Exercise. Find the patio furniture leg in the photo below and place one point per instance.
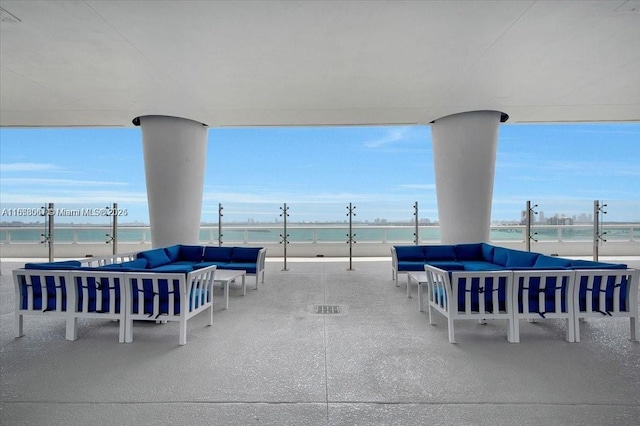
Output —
(515, 331)
(71, 331)
(19, 325)
(183, 330)
(452, 337)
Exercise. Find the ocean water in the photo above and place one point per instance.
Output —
(318, 233)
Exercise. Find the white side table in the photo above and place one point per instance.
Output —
(420, 277)
(226, 276)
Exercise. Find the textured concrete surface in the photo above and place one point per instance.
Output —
(270, 360)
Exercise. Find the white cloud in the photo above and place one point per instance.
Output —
(27, 167)
(393, 135)
(420, 186)
(60, 182)
(75, 197)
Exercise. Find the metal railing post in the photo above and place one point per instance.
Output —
(598, 234)
(529, 212)
(350, 235)
(284, 235)
(48, 236)
(113, 237)
(220, 224)
(416, 233)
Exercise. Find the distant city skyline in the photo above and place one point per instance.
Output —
(382, 170)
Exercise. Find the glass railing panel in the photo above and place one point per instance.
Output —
(134, 235)
(24, 235)
(263, 235)
(429, 234)
(506, 233)
(331, 234)
(233, 236)
(617, 233)
(301, 235)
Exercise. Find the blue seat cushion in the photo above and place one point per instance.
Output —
(201, 265)
(479, 265)
(410, 265)
(191, 253)
(447, 265)
(441, 252)
(155, 257)
(217, 254)
(250, 267)
(173, 268)
(410, 253)
(184, 263)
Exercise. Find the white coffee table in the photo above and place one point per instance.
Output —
(226, 276)
(420, 277)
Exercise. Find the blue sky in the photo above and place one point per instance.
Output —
(319, 171)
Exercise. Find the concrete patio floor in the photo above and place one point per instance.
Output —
(271, 360)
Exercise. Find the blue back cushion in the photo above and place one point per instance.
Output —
(594, 293)
(156, 257)
(217, 254)
(133, 264)
(443, 252)
(468, 251)
(98, 289)
(173, 252)
(245, 254)
(588, 264)
(483, 291)
(487, 252)
(62, 265)
(551, 262)
(144, 288)
(521, 258)
(410, 253)
(191, 253)
(548, 287)
(36, 287)
(500, 256)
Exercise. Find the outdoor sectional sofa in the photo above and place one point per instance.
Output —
(481, 281)
(165, 284)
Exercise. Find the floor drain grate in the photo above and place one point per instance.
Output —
(327, 309)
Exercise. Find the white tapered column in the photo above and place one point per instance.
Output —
(175, 152)
(464, 152)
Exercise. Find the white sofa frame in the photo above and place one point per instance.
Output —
(196, 295)
(552, 279)
(262, 254)
(630, 310)
(197, 284)
(443, 297)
